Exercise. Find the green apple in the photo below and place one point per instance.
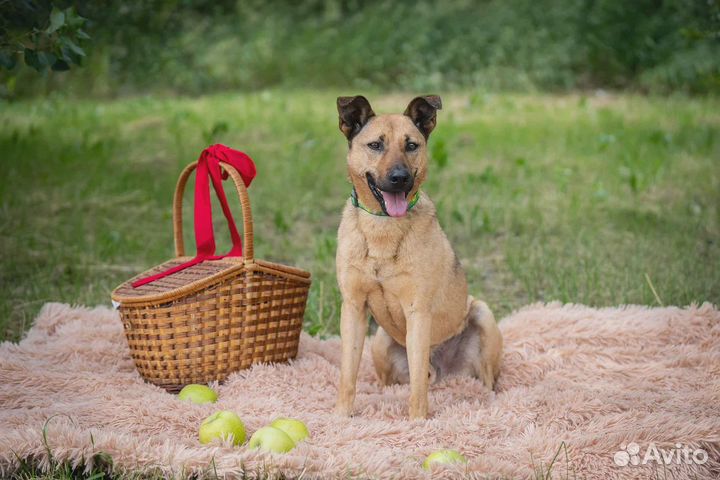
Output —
(198, 394)
(271, 439)
(222, 424)
(443, 457)
(295, 429)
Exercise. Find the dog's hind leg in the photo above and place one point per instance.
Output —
(390, 360)
(380, 347)
(476, 351)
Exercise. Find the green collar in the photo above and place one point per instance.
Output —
(356, 203)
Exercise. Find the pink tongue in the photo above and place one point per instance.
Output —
(395, 203)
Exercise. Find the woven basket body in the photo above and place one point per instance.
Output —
(216, 317)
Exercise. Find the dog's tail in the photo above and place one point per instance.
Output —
(491, 339)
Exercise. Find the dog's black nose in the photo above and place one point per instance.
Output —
(399, 178)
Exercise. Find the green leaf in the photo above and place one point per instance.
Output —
(72, 46)
(32, 59)
(57, 20)
(8, 60)
(47, 58)
(82, 35)
(73, 19)
(60, 66)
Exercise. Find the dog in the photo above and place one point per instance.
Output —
(395, 262)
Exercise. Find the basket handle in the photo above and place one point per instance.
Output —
(214, 165)
(248, 248)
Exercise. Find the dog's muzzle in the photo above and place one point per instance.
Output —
(397, 180)
(391, 193)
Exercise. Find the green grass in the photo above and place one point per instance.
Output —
(572, 198)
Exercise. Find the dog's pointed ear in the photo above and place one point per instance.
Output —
(354, 113)
(423, 112)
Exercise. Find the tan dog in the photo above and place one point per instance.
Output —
(394, 260)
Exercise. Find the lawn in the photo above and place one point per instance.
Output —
(598, 199)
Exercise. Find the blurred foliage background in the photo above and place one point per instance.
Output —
(576, 158)
(198, 46)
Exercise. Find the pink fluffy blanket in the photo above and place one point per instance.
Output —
(629, 392)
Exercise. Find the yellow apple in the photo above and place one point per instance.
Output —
(271, 439)
(223, 424)
(198, 394)
(443, 457)
(295, 429)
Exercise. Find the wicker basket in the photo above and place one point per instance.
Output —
(216, 317)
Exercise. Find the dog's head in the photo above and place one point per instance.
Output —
(388, 159)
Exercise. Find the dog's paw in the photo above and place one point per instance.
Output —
(342, 410)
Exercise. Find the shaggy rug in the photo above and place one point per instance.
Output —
(630, 392)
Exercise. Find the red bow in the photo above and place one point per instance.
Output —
(208, 165)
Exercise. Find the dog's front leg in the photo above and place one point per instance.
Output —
(353, 328)
(417, 343)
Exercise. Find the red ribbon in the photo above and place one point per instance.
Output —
(208, 165)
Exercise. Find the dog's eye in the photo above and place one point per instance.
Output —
(375, 146)
(411, 146)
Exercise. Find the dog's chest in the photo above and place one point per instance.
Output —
(387, 311)
(384, 265)
(386, 286)
(376, 255)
